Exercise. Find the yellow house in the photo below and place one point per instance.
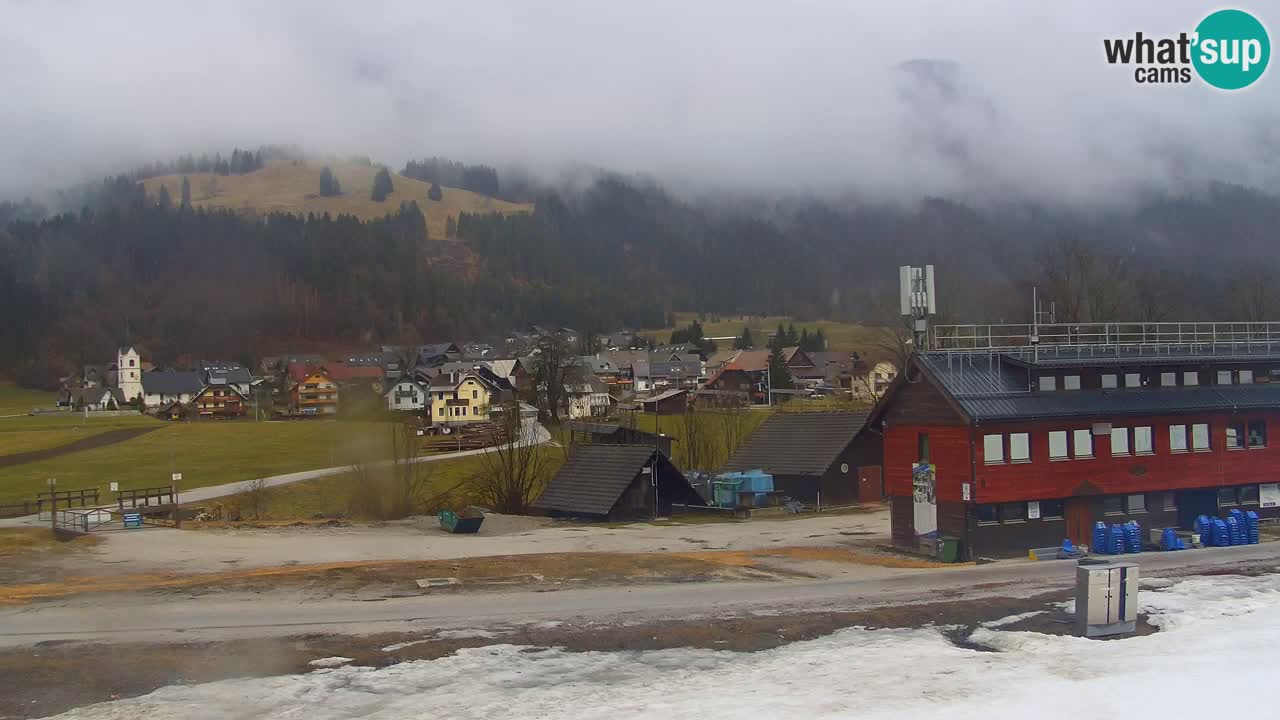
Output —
(458, 398)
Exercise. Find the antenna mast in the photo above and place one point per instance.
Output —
(918, 301)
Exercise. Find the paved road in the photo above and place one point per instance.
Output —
(173, 619)
(532, 432)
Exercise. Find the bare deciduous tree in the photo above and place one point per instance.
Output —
(514, 469)
(255, 495)
(553, 357)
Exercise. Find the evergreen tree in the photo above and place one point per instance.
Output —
(744, 341)
(779, 339)
(805, 341)
(450, 227)
(163, 201)
(819, 341)
(381, 185)
(779, 375)
(792, 338)
(329, 186)
(435, 193)
(186, 192)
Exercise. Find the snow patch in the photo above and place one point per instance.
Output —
(467, 633)
(1011, 619)
(330, 662)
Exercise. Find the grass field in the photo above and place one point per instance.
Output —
(15, 400)
(840, 336)
(294, 188)
(37, 432)
(710, 425)
(209, 453)
(333, 496)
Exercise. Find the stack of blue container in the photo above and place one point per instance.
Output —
(1169, 540)
(1099, 543)
(1251, 527)
(1204, 528)
(1132, 537)
(1115, 540)
(1221, 534)
(1235, 531)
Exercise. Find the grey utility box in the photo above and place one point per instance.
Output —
(1106, 599)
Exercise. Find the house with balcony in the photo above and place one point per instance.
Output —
(219, 400)
(466, 396)
(312, 392)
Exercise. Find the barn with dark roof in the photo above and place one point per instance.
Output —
(616, 482)
(819, 458)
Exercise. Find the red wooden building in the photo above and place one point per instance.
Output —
(1013, 448)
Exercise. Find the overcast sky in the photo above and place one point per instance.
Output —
(1009, 96)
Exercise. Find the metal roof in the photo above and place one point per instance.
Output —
(802, 443)
(594, 477)
(171, 382)
(997, 387)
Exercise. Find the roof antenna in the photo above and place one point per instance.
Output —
(918, 301)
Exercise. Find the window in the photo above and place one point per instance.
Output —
(1071, 382)
(1226, 496)
(475, 394)
(1168, 379)
(1013, 512)
(455, 394)
(1113, 505)
(1020, 447)
(1224, 377)
(1058, 445)
(464, 411)
(440, 396)
(132, 362)
(1248, 494)
(1246, 377)
(1109, 381)
(1200, 436)
(1132, 380)
(1119, 441)
(993, 449)
(922, 446)
(1235, 436)
(1166, 501)
(1177, 438)
(1083, 443)
(1191, 377)
(1142, 441)
(441, 413)
(1257, 433)
(1048, 383)
(1135, 503)
(986, 513)
(1051, 509)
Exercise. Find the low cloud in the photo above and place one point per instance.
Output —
(990, 99)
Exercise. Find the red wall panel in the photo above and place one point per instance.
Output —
(948, 450)
(1104, 474)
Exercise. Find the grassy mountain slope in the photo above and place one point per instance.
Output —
(295, 188)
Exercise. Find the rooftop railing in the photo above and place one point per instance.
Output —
(1112, 339)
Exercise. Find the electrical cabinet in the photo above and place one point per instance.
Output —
(1106, 599)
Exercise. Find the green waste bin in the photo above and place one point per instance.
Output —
(948, 549)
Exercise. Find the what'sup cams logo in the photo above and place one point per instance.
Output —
(1228, 50)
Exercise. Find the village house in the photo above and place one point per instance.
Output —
(220, 400)
(311, 391)
(90, 398)
(229, 374)
(657, 373)
(1010, 448)
(407, 393)
(462, 397)
(585, 395)
(160, 387)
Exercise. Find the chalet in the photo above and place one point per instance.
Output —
(585, 395)
(745, 371)
(359, 376)
(220, 400)
(229, 374)
(666, 372)
(164, 386)
(819, 458)
(311, 391)
(407, 394)
(458, 398)
(1008, 447)
(616, 482)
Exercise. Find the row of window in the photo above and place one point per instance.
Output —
(1016, 447)
(1134, 380)
(1053, 509)
(475, 394)
(455, 411)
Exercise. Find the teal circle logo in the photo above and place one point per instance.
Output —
(1231, 49)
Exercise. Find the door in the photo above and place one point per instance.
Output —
(1079, 517)
(870, 484)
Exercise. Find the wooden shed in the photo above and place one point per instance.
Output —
(616, 482)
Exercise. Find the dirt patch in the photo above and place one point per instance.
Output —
(110, 437)
(752, 558)
(398, 578)
(38, 677)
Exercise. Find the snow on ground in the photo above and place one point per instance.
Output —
(1217, 632)
(1012, 619)
(330, 662)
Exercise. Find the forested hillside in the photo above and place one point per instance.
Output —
(187, 281)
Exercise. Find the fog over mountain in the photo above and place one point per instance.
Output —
(1000, 98)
